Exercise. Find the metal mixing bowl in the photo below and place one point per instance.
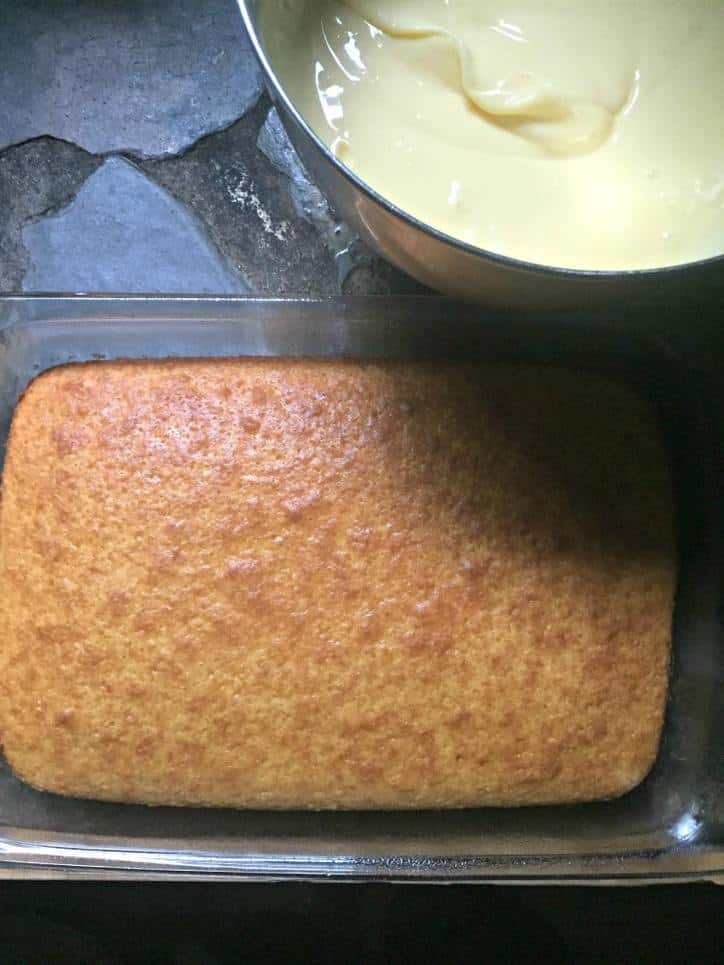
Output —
(450, 265)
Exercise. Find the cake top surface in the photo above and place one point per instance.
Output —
(312, 584)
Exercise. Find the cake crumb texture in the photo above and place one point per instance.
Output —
(315, 584)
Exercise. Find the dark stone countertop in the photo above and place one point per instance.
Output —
(138, 153)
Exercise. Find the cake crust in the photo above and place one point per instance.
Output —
(314, 584)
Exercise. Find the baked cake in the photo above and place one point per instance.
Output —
(332, 584)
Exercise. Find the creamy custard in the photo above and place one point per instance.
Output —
(577, 133)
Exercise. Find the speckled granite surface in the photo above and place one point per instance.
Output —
(139, 153)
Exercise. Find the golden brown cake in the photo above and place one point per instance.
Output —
(287, 584)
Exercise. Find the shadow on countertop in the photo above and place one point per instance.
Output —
(189, 924)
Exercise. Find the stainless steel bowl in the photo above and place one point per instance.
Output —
(451, 266)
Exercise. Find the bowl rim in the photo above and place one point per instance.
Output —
(507, 261)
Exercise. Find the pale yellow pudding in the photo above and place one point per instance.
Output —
(576, 133)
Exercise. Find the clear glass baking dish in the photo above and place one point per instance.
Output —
(670, 828)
